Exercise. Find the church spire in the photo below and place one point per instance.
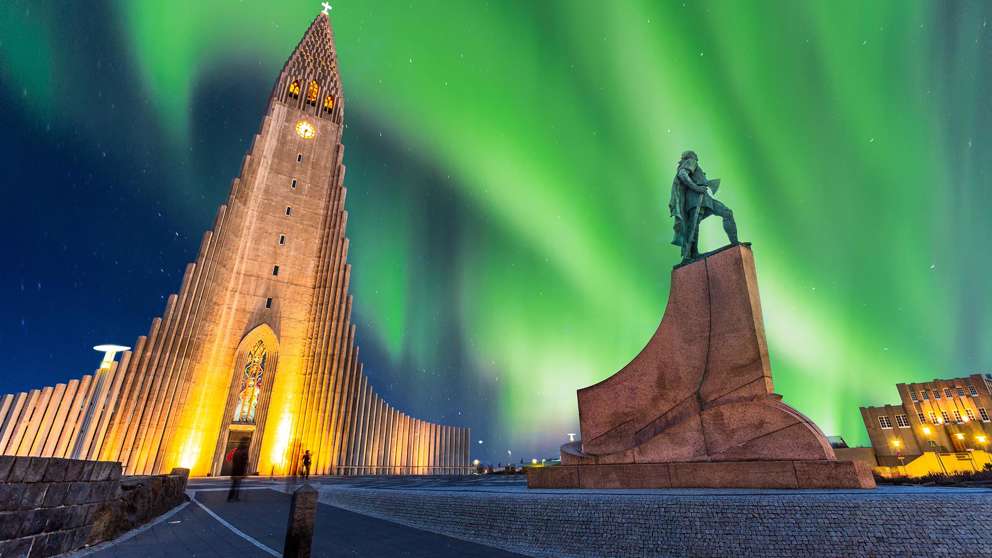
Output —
(310, 79)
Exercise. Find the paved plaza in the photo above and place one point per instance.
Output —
(497, 516)
(209, 526)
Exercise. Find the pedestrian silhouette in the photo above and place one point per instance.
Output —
(306, 464)
(239, 468)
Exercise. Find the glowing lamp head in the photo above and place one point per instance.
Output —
(305, 129)
(981, 439)
(959, 436)
(533, 461)
(476, 462)
(109, 351)
(897, 443)
(926, 430)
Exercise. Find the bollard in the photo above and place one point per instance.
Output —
(299, 532)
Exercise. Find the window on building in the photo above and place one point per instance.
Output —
(936, 394)
(933, 418)
(289, 211)
(922, 417)
(275, 271)
(970, 414)
(946, 418)
(957, 416)
(960, 391)
(902, 421)
(925, 394)
(912, 395)
(328, 104)
(948, 393)
(250, 386)
(293, 186)
(294, 89)
(313, 91)
(972, 390)
(268, 303)
(988, 382)
(984, 414)
(884, 422)
(299, 157)
(282, 239)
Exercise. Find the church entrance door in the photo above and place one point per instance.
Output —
(234, 438)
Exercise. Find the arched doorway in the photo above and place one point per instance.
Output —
(248, 398)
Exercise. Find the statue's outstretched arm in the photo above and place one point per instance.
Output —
(684, 177)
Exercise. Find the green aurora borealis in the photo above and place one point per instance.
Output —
(509, 165)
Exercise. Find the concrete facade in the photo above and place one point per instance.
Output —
(940, 416)
(258, 344)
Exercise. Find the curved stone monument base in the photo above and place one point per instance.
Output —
(696, 407)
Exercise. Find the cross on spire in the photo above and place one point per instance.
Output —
(327, 8)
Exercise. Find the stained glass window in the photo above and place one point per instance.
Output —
(250, 386)
(328, 104)
(294, 89)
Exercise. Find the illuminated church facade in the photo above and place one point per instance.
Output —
(258, 344)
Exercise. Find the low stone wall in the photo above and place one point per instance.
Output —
(49, 506)
(881, 523)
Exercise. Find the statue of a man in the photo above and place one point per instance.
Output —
(692, 201)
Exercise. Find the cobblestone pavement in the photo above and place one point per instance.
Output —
(501, 511)
(262, 514)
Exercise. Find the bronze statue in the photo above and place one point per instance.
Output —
(692, 201)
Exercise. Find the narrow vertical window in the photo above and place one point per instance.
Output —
(884, 422)
(289, 211)
(947, 392)
(275, 270)
(912, 395)
(299, 158)
(984, 414)
(957, 416)
(972, 390)
(946, 418)
(925, 394)
(294, 89)
(282, 239)
(293, 186)
(970, 414)
(268, 302)
(922, 417)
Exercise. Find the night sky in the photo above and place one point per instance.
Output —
(509, 166)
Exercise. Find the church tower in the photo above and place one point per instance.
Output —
(257, 347)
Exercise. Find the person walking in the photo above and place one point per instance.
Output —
(239, 468)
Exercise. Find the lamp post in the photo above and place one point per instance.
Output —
(929, 433)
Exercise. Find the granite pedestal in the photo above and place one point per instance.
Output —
(696, 408)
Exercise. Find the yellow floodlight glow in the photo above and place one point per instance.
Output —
(278, 455)
(959, 436)
(896, 443)
(927, 431)
(475, 462)
(981, 439)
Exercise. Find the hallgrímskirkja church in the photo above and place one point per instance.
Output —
(258, 344)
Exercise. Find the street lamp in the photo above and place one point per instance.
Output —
(109, 352)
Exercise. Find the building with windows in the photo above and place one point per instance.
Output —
(939, 426)
(258, 346)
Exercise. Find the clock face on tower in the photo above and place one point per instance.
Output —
(305, 129)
